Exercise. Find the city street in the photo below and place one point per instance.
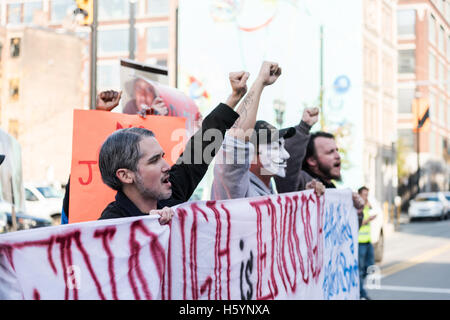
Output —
(416, 262)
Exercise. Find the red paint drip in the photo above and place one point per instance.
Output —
(106, 235)
(182, 217)
(156, 251)
(36, 295)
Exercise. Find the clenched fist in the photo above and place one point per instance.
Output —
(238, 81)
(310, 116)
(108, 100)
(269, 73)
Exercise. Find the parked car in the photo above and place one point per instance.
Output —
(3, 217)
(377, 229)
(428, 205)
(24, 221)
(447, 197)
(43, 202)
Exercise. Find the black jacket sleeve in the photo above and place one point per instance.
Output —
(200, 150)
(296, 147)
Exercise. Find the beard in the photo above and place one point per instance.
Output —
(148, 193)
(326, 172)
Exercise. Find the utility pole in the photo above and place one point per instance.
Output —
(132, 34)
(417, 96)
(322, 119)
(418, 159)
(94, 55)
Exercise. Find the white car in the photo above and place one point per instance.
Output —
(447, 197)
(43, 202)
(428, 205)
(4, 208)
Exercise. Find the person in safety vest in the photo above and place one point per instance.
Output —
(366, 252)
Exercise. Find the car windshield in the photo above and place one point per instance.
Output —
(49, 192)
(430, 198)
(447, 197)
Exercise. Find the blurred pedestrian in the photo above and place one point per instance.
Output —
(365, 247)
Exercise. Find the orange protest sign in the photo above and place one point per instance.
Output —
(88, 194)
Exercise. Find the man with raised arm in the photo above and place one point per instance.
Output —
(132, 162)
(236, 175)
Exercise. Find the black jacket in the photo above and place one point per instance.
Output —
(184, 176)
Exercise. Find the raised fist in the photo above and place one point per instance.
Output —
(269, 73)
(310, 116)
(108, 100)
(238, 81)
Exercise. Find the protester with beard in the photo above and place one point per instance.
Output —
(322, 161)
(131, 161)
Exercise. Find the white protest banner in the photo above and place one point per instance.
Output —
(287, 246)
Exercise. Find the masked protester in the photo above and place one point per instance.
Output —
(253, 151)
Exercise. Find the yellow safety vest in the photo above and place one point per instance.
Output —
(364, 231)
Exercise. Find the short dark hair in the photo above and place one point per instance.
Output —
(120, 150)
(311, 147)
(362, 189)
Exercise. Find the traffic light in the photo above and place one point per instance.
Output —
(85, 8)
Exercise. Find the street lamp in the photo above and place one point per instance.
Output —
(279, 106)
(132, 34)
(417, 96)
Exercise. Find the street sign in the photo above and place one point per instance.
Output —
(421, 115)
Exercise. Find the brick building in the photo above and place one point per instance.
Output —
(39, 88)
(424, 73)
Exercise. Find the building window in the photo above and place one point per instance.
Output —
(60, 9)
(29, 8)
(157, 61)
(407, 61)
(405, 100)
(432, 141)
(14, 13)
(407, 138)
(387, 24)
(113, 41)
(432, 66)
(433, 102)
(406, 22)
(442, 39)
(442, 107)
(448, 45)
(448, 116)
(162, 62)
(14, 90)
(113, 9)
(448, 10)
(441, 75)
(158, 7)
(157, 38)
(15, 47)
(108, 76)
(432, 29)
